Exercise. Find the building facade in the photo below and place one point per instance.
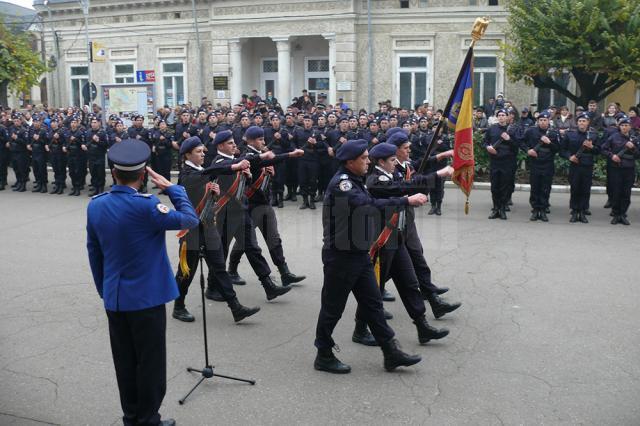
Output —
(363, 51)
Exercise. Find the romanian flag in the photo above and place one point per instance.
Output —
(460, 115)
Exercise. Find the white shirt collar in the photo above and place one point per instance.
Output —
(230, 157)
(402, 164)
(190, 164)
(254, 149)
(389, 175)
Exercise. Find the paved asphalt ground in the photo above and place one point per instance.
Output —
(549, 331)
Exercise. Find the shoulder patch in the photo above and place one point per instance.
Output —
(344, 176)
(100, 195)
(383, 178)
(162, 208)
(345, 186)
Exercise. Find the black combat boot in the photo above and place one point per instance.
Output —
(439, 208)
(236, 279)
(387, 315)
(586, 212)
(535, 215)
(426, 332)
(241, 312)
(287, 277)
(312, 204)
(72, 192)
(60, 190)
(305, 202)
(503, 213)
(327, 361)
(582, 217)
(22, 187)
(55, 189)
(292, 193)
(439, 306)
(43, 188)
(615, 220)
(432, 210)
(574, 216)
(280, 200)
(495, 212)
(93, 192)
(37, 187)
(623, 220)
(180, 312)
(212, 293)
(542, 215)
(394, 357)
(362, 335)
(274, 198)
(271, 289)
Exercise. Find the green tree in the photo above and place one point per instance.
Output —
(597, 41)
(20, 64)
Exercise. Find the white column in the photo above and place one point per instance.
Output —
(284, 70)
(235, 65)
(331, 38)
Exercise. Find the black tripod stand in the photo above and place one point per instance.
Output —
(207, 371)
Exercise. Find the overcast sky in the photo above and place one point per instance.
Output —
(23, 3)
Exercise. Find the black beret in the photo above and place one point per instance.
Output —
(351, 149)
(382, 150)
(544, 114)
(129, 155)
(398, 138)
(222, 136)
(393, 130)
(583, 115)
(254, 132)
(624, 120)
(189, 144)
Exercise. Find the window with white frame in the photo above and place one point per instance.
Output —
(412, 78)
(124, 73)
(548, 97)
(316, 76)
(79, 76)
(485, 81)
(173, 87)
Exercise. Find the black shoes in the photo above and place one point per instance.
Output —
(168, 422)
(503, 213)
(212, 293)
(441, 307)
(387, 315)
(607, 205)
(582, 217)
(279, 200)
(432, 210)
(387, 296)
(615, 220)
(327, 361)
(620, 219)
(287, 277)
(305, 202)
(36, 188)
(574, 216)
(312, 204)
(441, 290)
(271, 289)
(74, 191)
(535, 215)
(394, 357)
(439, 208)
(426, 332)
(495, 213)
(236, 279)
(362, 335)
(180, 313)
(241, 312)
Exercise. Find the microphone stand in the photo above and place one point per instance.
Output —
(207, 371)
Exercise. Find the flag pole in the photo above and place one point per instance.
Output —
(479, 27)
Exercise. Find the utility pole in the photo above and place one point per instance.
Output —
(85, 11)
(200, 71)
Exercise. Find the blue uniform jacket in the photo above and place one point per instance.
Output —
(127, 249)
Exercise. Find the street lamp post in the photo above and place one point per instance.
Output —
(85, 11)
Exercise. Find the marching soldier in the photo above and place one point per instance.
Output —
(204, 239)
(580, 146)
(162, 141)
(233, 218)
(347, 209)
(502, 148)
(541, 145)
(262, 214)
(18, 139)
(436, 194)
(621, 151)
(97, 143)
(38, 146)
(75, 147)
(58, 157)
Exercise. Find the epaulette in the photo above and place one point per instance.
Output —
(219, 160)
(143, 195)
(100, 195)
(344, 176)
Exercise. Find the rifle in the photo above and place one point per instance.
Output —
(591, 135)
(551, 134)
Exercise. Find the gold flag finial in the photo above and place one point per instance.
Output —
(479, 27)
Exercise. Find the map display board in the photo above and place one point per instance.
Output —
(125, 100)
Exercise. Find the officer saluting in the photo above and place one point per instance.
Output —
(135, 284)
(347, 211)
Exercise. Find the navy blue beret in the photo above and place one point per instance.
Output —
(222, 136)
(383, 118)
(502, 111)
(189, 144)
(343, 118)
(254, 132)
(393, 130)
(398, 138)
(129, 155)
(382, 150)
(583, 115)
(624, 120)
(544, 114)
(351, 149)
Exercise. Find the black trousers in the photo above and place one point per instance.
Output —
(416, 253)
(163, 165)
(217, 274)
(580, 179)
(540, 180)
(621, 181)
(325, 172)
(20, 164)
(502, 180)
(59, 165)
(238, 225)
(5, 159)
(436, 195)
(96, 168)
(39, 166)
(344, 273)
(308, 176)
(264, 218)
(292, 172)
(396, 264)
(77, 170)
(138, 345)
(279, 179)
